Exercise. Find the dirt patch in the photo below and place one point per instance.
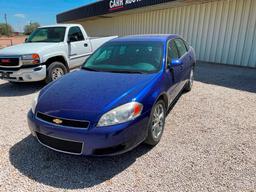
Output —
(8, 41)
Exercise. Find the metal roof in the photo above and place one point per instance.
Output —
(105, 7)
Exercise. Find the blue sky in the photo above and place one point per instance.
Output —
(21, 12)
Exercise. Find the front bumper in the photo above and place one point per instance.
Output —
(103, 141)
(32, 74)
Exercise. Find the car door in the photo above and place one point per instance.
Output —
(189, 60)
(78, 47)
(173, 74)
(183, 60)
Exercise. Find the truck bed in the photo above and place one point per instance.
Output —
(96, 42)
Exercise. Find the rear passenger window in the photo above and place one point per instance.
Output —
(181, 46)
(172, 52)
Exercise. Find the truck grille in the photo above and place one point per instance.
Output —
(60, 144)
(62, 121)
(9, 62)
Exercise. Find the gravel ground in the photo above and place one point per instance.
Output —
(209, 144)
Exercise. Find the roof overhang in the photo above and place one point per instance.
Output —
(104, 7)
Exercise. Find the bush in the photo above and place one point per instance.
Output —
(28, 29)
(4, 30)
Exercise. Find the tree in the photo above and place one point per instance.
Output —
(28, 29)
(5, 30)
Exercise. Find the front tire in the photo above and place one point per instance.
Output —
(189, 84)
(54, 71)
(156, 123)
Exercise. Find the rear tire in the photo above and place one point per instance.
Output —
(54, 71)
(189, 84)
(156, 123)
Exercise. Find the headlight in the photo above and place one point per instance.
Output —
(34, 103)
(121, 114)
(30, 59)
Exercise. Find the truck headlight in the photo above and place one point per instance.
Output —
(30, 59)
(121, 114)
(34, 103)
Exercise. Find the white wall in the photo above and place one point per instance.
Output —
(221, 31)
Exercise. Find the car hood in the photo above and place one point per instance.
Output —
(26, 48)
(86, 95)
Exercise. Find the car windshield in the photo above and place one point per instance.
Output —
(47, 34)
(127, 57)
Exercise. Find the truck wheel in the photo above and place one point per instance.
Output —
(54, 71)
(189, 83)
(156, 123)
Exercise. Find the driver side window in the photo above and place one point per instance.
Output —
(172, 51)
(75, 34)
(181, 46)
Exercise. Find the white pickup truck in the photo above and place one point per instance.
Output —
(48, 53)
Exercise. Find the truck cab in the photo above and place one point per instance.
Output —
(48, 53)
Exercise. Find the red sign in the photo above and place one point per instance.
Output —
(120, 4)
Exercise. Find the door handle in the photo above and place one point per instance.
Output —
(85, 45)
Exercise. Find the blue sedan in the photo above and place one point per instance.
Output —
(117, 100)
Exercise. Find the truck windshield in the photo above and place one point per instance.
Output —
(47, 34)
(127, 57)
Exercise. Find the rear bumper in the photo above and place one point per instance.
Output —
(103, 141)
(24, 74)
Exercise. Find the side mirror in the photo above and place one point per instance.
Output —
(26, 40)
(176, 62)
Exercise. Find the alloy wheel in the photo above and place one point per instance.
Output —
(191, 78)
(158, 121)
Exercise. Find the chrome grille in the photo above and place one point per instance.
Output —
(9, 61)
(63, 121)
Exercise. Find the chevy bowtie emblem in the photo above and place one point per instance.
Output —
(57, 121)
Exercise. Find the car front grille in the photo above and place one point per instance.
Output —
(62, 121)
(9, 62)
(61, 145)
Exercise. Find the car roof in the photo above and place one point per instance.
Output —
(151, 37)
(61, 25)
